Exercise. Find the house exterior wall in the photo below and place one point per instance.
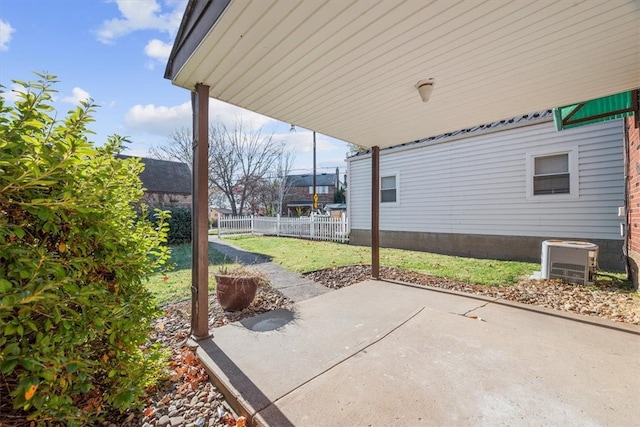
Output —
(167, 200)
(633, 197)
(302, 193)
(468, 196)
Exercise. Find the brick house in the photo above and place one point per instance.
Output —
(299, 195)
(216, 213)
(167, 184)
(632, 153)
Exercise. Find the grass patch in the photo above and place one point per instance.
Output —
(175, 284)
(304, 256)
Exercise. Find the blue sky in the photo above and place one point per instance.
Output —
(115, 51)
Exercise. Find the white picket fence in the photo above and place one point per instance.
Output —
(315, 227)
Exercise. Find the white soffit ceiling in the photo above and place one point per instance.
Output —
(348, 68)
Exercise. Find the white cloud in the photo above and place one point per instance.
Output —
(78, 94)
(141, 15)
(230, 115)
(6, 30)
(158, 120)
(158, 49)
(162, 120)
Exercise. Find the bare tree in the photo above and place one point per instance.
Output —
(179, 148)
(285, 165)
(355, 149)
(240, 160)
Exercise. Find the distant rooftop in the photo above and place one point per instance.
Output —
(163, 176)
(307, 180)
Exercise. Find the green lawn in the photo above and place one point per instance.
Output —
(175, 284)
(304, 256)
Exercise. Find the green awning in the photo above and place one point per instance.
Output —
(596, 110)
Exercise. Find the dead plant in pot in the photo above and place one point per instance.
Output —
(236, 286)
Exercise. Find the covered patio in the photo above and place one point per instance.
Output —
(379, 74)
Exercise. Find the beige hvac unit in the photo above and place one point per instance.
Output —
(571, 261)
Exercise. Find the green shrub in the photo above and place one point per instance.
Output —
(179, 221)
(74, 311)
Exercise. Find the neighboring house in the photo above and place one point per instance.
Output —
(215, 213)
(299, 195)
(167, 184)
(497, 190)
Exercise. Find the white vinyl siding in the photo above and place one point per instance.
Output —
(478, 185)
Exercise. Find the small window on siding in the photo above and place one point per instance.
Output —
(388, 189)
(551, 175)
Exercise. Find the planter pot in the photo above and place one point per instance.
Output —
(235, 292)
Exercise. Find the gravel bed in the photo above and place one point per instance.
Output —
(605, 299)
(188, 398)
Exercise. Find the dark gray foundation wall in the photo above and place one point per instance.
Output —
(512, 248)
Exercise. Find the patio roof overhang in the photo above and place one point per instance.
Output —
(348, 69)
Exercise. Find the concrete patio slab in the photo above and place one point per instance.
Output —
(384, 354)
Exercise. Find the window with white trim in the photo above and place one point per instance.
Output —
(320, 189)
(552, 175)
(389, 189)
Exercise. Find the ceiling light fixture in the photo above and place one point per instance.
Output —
(425, 87)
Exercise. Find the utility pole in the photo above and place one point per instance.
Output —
(315, 195)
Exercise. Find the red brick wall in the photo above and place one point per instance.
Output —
(633, 196)
(302, 193)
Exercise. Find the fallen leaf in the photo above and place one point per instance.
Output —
(148, 411)
(241, 422)
(29, 393)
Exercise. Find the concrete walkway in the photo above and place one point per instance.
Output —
(386, 354)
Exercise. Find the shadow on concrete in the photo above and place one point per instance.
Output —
(252, 395)
(270, 321)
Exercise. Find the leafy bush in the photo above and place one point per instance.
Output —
(74, 311)
(179, 221)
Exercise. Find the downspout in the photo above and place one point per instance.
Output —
(627, 230)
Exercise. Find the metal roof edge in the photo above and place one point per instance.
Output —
(485, 129)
